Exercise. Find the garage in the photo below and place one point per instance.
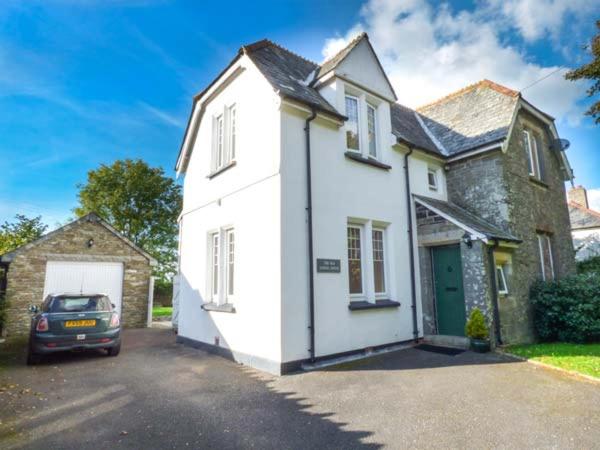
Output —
(73, 277)
(85, 256)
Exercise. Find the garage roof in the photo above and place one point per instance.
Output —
(90, 217)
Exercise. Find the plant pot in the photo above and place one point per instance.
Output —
(480, 345)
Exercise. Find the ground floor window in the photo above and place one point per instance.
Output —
(367, 260)
(501, 279)
(222, 265)
(546, 258)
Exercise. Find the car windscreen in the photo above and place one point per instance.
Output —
(79, 304)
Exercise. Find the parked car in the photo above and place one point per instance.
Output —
(73, 322)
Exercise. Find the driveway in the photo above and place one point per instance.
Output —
(159, 394)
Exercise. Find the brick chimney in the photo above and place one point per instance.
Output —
(578, 194)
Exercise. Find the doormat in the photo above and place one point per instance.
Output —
(442, 350)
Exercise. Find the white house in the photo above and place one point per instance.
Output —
(585, 224)
(298, 230)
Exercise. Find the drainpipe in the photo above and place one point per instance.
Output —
(311, 277)
(411, 245)
(495, 309)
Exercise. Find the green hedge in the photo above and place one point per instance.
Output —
(568, 310)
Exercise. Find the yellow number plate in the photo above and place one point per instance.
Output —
(80, 323)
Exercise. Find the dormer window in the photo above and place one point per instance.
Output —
(224, 138)
(352, 124)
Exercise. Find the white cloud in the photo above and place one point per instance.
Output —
(594, 198)
(429, 52)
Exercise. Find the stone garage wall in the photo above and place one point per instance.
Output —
(27, 271)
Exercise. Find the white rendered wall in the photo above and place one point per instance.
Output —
(342, 189)
(246, 197)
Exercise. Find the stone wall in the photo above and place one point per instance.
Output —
(27, 271)
(497, 187)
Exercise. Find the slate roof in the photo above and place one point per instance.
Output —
(582, 217)
(406, 127)
(475, 116)
(288, 73)
(466, 218)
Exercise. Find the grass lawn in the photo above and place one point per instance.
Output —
(582, 358)
(162, 311)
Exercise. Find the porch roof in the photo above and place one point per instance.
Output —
(465, 219)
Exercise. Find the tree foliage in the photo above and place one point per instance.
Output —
(590, 71)
(140, 202)
(20, 232)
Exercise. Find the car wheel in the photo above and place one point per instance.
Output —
(33, 358)
(113, 351)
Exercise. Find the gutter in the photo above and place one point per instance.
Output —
(494, 287)
(311, 274)
(411, 248)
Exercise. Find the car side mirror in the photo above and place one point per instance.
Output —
(33, 309)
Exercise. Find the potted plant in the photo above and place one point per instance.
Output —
(478, 332)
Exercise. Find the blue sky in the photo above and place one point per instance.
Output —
(86, 82)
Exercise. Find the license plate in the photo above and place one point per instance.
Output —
(80, 337)
(80, 323)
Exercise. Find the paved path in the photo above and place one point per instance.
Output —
(158, 394)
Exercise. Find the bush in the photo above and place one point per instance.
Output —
(163, 292)
(476, 327)
(568, 310)
(590, 265)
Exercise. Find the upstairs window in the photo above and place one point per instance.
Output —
(352, 124)
(224, 138)
(372, 129)
(530, 142)
(432, 179)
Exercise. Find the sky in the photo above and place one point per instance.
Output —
(87, 82)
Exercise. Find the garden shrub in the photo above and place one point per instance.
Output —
(568, 310)
(476, 327)
(590, 265)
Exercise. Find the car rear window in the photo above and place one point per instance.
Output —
(79, 304)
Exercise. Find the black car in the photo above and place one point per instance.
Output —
(74, 322)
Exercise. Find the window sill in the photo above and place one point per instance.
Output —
(369, 161)
(379, 304)
(221, 170)
(538, 182)
(226, 308)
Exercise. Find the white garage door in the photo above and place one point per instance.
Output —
(69, 277)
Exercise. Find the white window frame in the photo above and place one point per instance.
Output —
(232, 130)
(384, 293)
(501, 276)
(541, 237)
(371, 107)
(358, 121)
(434, 186)
(361, 230)
(218, 258)
(214, 254)
(219, 141)
(229, 264)
(532, 154)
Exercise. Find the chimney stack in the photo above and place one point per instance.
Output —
(578, 194)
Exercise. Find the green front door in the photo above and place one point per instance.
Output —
(449, 294)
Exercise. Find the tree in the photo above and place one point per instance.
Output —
(139, 201)
(20, 232)
(590, 71)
